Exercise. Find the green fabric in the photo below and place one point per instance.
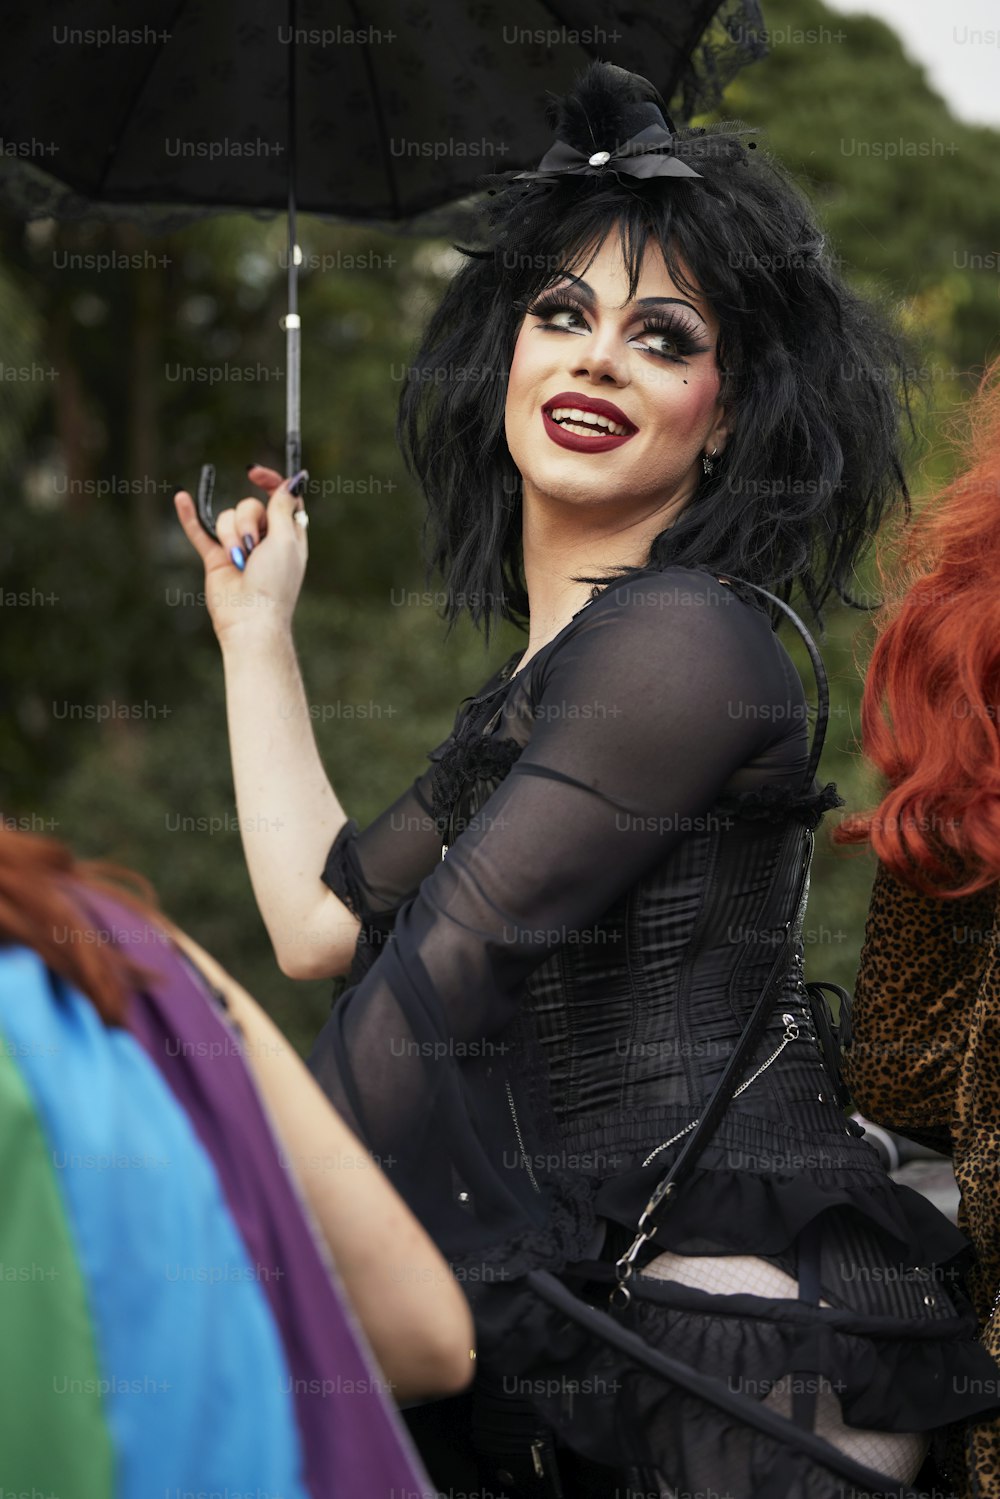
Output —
(53, 1434)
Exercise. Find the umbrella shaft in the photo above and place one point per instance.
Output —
(293, 437)
(293, 441)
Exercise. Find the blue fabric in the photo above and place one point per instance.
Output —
(197, 1389)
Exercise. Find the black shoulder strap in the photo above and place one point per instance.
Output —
(739, 1059)
(730, 1080)
(819, 671)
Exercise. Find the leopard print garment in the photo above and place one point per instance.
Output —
(925, 1060)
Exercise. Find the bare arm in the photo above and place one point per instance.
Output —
(412, 1309)
(288, 812)
(315, 898)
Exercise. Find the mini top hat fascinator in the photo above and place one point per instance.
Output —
(615, 123)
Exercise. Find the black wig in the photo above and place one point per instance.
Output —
(814, 378)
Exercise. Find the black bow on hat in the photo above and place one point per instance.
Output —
(647, 154)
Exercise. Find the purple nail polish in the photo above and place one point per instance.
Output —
(248, 543)
(238, 557)
(296, 485)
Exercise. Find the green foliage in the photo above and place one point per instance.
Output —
(100, 590)
(907, 192)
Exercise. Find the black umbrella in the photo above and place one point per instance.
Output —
(365, 112)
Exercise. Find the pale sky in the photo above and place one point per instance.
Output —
(956, 41)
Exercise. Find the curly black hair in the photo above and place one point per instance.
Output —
(814, 376)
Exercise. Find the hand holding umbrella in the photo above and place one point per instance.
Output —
(272, 534)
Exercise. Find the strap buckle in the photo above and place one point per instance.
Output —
(620, 1295)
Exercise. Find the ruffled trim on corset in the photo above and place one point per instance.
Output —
(757, 1183)
(893, 1377)
(471, 758)
(729, 1212)
(738, 1212)
(775, 802)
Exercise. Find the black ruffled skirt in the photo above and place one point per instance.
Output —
(897, 1342)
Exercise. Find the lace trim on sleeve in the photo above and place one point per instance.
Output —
(774, 802)
(338, 872)
(471, 757)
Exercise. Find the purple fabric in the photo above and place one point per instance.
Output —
(356, 1447)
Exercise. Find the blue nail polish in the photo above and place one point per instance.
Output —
(248, 543)
(238, 557)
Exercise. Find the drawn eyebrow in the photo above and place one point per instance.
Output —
(587, 293)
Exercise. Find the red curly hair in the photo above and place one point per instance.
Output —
(932, 694)
(40, 908)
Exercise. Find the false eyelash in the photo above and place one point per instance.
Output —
(673, 325)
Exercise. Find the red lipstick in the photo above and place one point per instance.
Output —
(567, 437)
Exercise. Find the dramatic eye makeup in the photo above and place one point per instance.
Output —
(674, 332)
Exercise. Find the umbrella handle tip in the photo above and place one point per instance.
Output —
(203, 505)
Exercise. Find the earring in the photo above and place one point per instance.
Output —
(706, 461)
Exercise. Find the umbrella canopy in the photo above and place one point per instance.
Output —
(352, 111)
(385, 112)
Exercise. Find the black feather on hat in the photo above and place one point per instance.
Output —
(605, 108)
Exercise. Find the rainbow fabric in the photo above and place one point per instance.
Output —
(169, 1325)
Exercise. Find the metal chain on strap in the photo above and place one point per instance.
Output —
(791, 1034)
